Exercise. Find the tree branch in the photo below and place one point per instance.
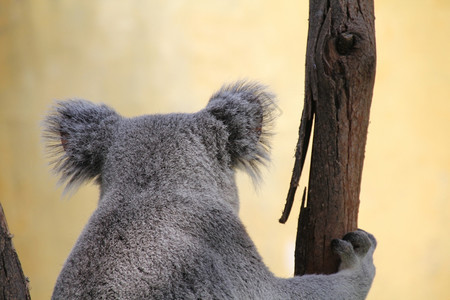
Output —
(13, 283)
(340, 74)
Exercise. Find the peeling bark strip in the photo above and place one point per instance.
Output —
(13, 283)
(340, 74)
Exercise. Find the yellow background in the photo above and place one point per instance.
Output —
(168, 56)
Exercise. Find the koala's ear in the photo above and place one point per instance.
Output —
(77, 136)
(246, 109)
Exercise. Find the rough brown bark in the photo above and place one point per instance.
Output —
(340, 74)
(13, 283)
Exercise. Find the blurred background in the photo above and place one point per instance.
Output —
(143, 57)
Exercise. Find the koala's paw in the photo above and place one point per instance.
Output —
(356, 251)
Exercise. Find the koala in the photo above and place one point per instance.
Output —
(167, 224)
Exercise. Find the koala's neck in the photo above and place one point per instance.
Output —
(173, 188)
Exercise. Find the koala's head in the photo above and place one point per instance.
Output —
(162, 152)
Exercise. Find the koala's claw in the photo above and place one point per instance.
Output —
(353, 246)
(360, 241)
(371, 237)
(344, 249)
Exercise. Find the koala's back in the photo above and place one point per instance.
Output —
(167, 224)
(163, 248)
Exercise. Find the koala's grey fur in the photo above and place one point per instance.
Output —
(167, 224)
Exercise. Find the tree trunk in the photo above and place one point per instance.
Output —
(13, 283)
(340, 74)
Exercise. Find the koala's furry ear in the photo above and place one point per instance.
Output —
(77, 135)
(247, 110)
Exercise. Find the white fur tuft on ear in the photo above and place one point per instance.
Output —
(77, 135)
(247, 110)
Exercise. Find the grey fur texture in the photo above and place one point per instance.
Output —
(167, 225)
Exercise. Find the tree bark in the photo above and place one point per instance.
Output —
(13, 283)
(340, 74)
